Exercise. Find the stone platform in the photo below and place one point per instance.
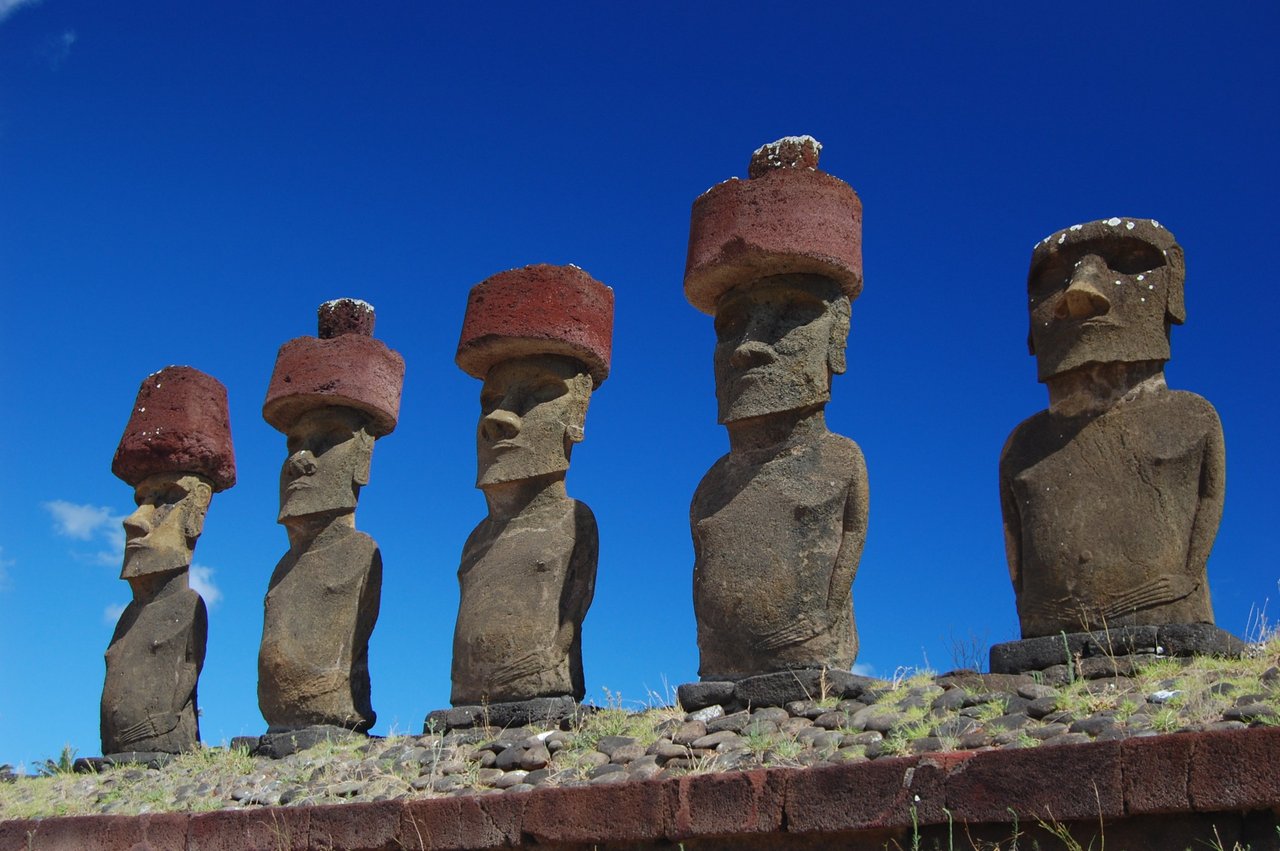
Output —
(1111, 652)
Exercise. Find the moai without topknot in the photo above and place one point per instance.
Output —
(1111, 498)
(332, 395)
(176, 453)
(540, 339)
(778, 523)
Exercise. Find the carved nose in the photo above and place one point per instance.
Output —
(499, 425)
(1084, 297)
(135, 525)
(752, 353)
(302, 463)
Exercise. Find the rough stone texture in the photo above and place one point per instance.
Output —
(774, 689)
(320, 609)
(1169, 640)
(1111, 498)
(153, 664)
(352, 370)
(779, 523)
(345, 316)
(332, 396)
(539, 710)
(540, 309)
(176, 451)
(179, 424)
(280, 745)
(540, 339)
(777, 534)
(789, 218)
(1163, 792)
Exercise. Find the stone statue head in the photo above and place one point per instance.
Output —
(540, 338)
(532, 411)
(330, 450)
(160, 535)
(1104, 292)
(176, 452)
(778, 342)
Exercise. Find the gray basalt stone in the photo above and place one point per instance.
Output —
(176, 452)
(1111, 498)
(1112, 647)
(332, 395)
(519, 713)
(539, 337)
(779, 522)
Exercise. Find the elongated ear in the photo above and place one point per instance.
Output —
(364, 457)
(197, 506)
(1175, 307)
(580, 398)
(839, 339)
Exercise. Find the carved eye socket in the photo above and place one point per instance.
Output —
(545, 391)
(730, 323)
(1135, 259)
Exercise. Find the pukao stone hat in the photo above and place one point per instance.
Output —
(787, 218)
(343, 366)
(537, 310)
(179, 424)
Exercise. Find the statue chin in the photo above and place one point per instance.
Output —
(147, 561)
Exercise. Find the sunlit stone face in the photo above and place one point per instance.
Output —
(777, 343)
(329, 456)
(532, 411)
(160, 535)
(1100, 301)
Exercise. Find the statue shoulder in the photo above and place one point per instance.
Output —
(1023, 442)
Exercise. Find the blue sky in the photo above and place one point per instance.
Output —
(186, 182)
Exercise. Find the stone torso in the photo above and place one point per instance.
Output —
(1110, 515)
(313, 665)
(774, 565)
(526, 585)
(155, 657)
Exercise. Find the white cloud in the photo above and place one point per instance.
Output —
(80, 521)
(202, 582)
(864, 670)
(111, 614)
(8, 7)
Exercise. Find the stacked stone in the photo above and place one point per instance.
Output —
(344, 365)
(787, 218)
(960, 710)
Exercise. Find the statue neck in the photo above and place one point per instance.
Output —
(776, 430)
(153, 586)
(1097, 387)
(304, 530)
(507, 499)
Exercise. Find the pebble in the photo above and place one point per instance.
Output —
(958, 710)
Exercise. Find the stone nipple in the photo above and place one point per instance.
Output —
(345, 316)
(788, 152)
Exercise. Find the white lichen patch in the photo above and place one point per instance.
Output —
(355, 302)
(1112, 222)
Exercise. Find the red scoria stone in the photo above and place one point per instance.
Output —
(350, 370)
(345, 316)
(537, 310)
(784, 220)
(179, 424)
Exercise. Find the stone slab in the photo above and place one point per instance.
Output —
(1169, 640)
(281, 743)
(774, 689)
(518, 713)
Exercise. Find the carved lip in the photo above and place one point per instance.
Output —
(503, 446)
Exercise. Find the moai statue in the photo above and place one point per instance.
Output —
(176, 452)
(332, 395)
(540, 339)
(1111, 498)
(779, 522)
